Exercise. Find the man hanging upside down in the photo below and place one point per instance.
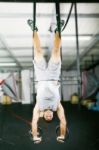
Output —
(47, 75)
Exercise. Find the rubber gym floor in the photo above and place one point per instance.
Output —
(15, 126)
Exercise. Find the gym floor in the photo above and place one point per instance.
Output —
(15, 126)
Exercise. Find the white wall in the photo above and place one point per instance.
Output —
(25, 77)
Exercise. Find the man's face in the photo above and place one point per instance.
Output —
(48, 115)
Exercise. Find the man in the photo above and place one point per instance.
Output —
(47, 75)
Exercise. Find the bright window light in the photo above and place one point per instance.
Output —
(81, 38)
(16, 7)
(85, 38)
(7, 64)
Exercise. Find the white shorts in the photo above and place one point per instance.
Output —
(47, 71)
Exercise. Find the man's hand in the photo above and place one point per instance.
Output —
(61, 138)
(37, 139)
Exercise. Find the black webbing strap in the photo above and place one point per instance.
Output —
(34, 16)
(68, 17)
(58, 17)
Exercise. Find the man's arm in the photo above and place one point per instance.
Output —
(61, 116)
(35, 121)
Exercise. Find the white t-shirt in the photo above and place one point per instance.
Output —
(48, 96)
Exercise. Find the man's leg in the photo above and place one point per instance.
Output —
(54, 65)
(39, 61)
(55, 56)
(38, 52)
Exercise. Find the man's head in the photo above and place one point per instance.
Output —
(48, 115)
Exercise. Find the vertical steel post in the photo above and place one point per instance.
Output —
(78, 56)
(34, 23)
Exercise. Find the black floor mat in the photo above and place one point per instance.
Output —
(15, 124)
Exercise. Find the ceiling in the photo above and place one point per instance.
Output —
(16, 47)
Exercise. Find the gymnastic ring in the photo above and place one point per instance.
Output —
(39, 133)
(58, 133)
